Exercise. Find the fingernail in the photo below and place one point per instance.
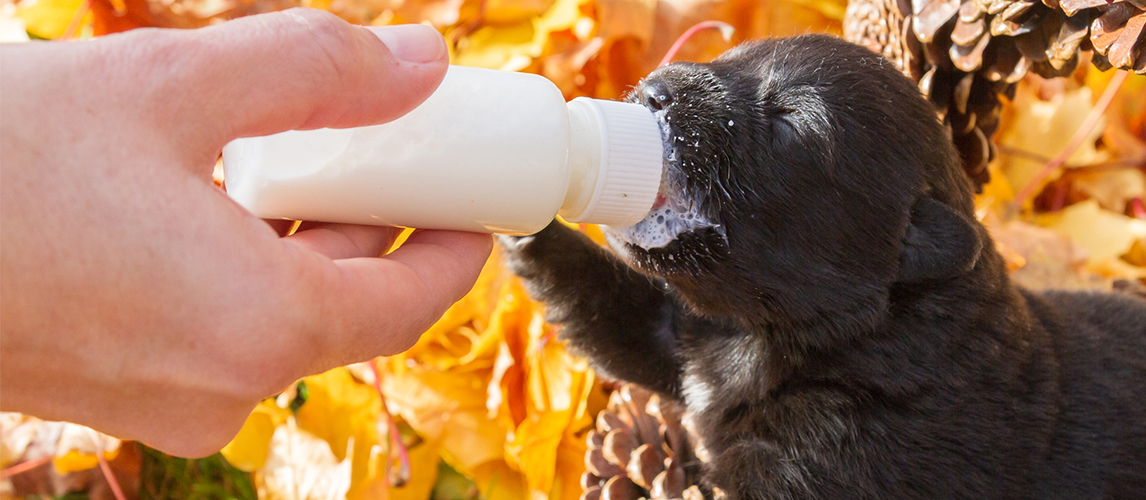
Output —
(416, 43)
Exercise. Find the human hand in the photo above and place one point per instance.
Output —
(136, 297)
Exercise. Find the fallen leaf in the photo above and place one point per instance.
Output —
(48, 18)
(12, 28)
(79, 448)
(1136, 256)
(17, 431)
(424, 459)
(1113, 190)
(1027, 240)
(248, 450)
(1043, 126)
(301, 466)
(346, 414)
(509, 48)
(1104, 235)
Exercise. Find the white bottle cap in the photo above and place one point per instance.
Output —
(629, 160)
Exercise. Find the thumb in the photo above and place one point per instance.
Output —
(303, 69)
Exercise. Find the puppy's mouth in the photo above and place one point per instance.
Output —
(675, 215)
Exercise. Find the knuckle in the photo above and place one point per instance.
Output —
(309, 22)
(331, 38)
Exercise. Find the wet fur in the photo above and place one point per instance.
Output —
(849, 330)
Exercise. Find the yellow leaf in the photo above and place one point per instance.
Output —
(563, 15)
(538, 441)
(1044, 128)
(73, 461)
(1104, 235)
(509, 48)
(448, 408)
(424, 458)
(534, 448)
(996, 194)
(569, 468)
(78, 447)
(248, 450)
(48, 18)
(301, 466)
(511, 11)
(1136, 256)
(339, 409)
(497, 481)
(317, 4)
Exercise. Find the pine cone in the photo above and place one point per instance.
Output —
(640, 449)
(965, 53)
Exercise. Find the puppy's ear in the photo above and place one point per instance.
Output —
(940, 243)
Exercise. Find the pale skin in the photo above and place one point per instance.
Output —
(135, 297)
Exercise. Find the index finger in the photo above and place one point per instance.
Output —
(371, 307)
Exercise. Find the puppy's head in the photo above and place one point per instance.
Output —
(803, 177)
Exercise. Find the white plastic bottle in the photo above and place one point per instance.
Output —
(489, 151)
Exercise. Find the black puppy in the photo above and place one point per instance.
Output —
(812, 284)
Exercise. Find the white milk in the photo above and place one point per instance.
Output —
(489, 151)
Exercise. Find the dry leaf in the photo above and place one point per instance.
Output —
(301, 466)
(248, 450)
(1029, 240)
(341, 410)
(12, 28)
(78, 447)
(17, 431)
(72, 447)
(1103, 234)
(1113, 190)
(1043, 127)
(48, 18)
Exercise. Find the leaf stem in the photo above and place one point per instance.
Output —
(23, 467)
(74, 24)
(403, 473)
(110, 476)
(726, 30)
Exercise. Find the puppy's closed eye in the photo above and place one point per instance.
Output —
(783, 132)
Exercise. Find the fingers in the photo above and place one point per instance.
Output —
(296, 69)
(381, 306)
(345, 241)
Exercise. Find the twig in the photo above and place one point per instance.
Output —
(468, 28)
(1080, 135)
(107, 474)
(726, 30)
(74, 24)
(395, 436)
(1075, 168)
(23, 467)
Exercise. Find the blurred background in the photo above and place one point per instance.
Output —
(1044, 99)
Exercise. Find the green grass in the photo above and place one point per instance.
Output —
(163, 477)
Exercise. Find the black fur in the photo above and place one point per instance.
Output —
(848, 331)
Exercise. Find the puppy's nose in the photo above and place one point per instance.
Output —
(656, 95)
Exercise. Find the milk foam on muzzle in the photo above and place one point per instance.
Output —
(672, 215)
(488, 151)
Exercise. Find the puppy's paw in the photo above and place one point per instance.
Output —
(513, 243)
(538, 245)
